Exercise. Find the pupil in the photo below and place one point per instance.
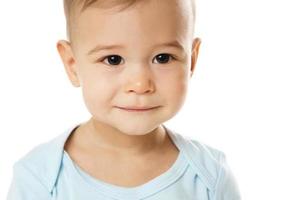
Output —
(163, 58)
(114, 60)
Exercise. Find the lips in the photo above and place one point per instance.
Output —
(134, 108)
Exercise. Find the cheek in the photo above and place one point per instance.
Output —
(97, 91)
(174, 86)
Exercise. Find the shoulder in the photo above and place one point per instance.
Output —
(210, 165)
(42, 163)
(206, 160)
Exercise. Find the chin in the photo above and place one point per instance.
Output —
(138, 129)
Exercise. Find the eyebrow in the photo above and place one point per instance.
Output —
(100, 47)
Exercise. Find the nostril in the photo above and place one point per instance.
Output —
(140, 87)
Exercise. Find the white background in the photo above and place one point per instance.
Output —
(243, 98)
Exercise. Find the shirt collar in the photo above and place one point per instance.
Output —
(56, 147)
(53, 162)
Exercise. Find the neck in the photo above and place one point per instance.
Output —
(100, 136)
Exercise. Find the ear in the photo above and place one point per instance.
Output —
(65, 51)
(195, 52)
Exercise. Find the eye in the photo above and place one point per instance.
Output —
(163, 58)
(113, 59)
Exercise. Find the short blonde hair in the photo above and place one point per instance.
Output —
(71, 7)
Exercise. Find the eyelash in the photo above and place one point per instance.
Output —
(171, 58)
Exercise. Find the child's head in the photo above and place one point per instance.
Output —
(130, 53)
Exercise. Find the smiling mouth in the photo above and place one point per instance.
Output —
(136, 109)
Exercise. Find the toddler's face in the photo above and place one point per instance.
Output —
(139, 57)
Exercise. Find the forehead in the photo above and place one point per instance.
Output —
(151, 20)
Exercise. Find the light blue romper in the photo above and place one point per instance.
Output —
(47, 172)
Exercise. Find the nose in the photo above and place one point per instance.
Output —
(140, 82)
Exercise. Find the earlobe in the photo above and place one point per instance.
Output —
(195, 52)
(65, 51)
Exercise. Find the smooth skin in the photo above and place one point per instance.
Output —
(137, 75)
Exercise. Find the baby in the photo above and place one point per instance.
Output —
(133, 60)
